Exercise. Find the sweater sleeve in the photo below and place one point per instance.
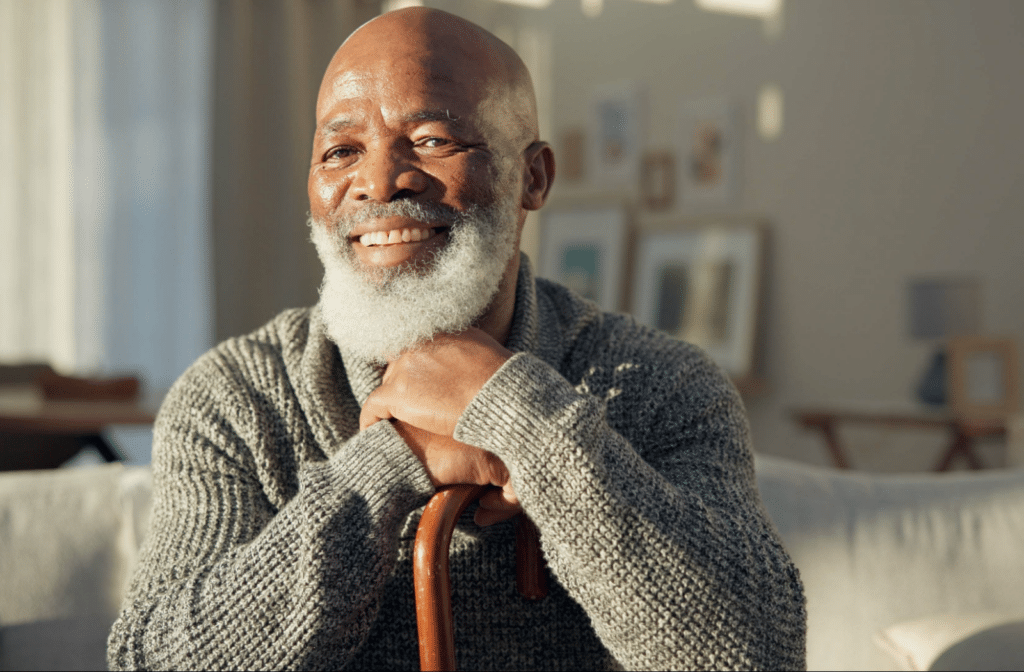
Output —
(663, 541)
(228, 580)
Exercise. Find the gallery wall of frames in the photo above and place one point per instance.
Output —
(700, 278)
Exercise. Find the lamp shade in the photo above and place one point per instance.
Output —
(944, 307)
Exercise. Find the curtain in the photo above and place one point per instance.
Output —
(270, 58)
(37, 232)
(104, 167)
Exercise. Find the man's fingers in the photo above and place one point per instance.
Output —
(497, 499)
(431, 385)
(485, 517)
(391, 401)
(373, 411)
(496, 506)
(498, 471)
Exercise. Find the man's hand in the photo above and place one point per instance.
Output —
(449, 462)
(424, 393)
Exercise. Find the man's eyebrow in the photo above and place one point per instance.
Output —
(335, 125)
(343, 123)
(433, 115)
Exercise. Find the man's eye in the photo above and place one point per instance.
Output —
(434, 143)
(340, 153)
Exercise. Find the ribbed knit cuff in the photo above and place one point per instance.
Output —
(521, 411)
(378, 465)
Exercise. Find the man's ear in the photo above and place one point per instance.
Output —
(540, 174)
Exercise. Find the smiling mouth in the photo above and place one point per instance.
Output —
(396, 236)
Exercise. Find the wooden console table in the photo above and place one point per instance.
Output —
(37, 433)
(962, 430)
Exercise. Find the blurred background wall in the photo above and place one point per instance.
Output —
(898, 157)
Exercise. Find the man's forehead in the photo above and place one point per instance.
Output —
(402, 91)
(423, 60)
(361, 80)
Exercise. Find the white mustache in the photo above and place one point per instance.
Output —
(432, 214)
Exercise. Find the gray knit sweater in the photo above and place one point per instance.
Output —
(281, 536)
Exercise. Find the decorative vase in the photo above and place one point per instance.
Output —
(932, 388)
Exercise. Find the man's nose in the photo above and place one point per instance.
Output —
(384, 176)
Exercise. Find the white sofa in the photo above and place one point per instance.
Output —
(896, 568)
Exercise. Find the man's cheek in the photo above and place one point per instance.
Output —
(325, 189)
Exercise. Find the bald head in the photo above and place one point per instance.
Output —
(448, 50)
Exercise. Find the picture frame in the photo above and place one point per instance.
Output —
(585, 246)
(701, 281)
(982, 376)
(658, 180)
(616, 133)
(709, 152)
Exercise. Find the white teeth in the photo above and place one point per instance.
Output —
(395, 236)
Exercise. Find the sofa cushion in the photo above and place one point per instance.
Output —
(874, 550)
(1000, 647)
(984, 641)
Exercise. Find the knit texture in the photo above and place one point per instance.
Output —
(281, 536)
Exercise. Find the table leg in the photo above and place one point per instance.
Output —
(106, 451)
(828, 430)
(960, 445)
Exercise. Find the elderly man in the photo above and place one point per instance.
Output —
(291, 465)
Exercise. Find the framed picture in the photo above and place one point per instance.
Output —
(983, 376)
(658, 180)
(701, 283)
(616, 134)
(709, 152)
(586, 249)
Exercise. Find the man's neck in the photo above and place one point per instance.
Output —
(497, 321)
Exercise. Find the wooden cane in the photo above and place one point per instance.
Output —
(431, 578)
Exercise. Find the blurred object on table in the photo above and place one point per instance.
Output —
(940, 308)
(71, 388)
(981, 376)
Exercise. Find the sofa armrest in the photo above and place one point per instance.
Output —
(68, 540)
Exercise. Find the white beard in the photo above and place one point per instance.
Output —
(375, 315)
